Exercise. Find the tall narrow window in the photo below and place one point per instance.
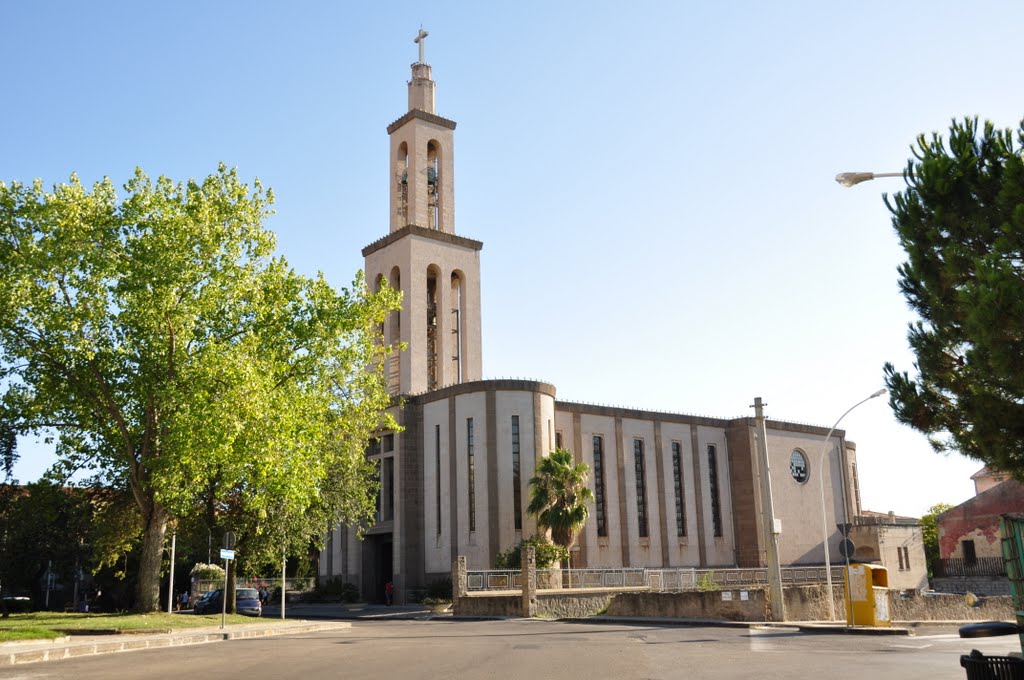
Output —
(394, 373)
(677, 480)
(641, 487)
(387, 489)
(716, 503)
(517, 492)
(432, 340)
(471, 482)
(599, 494)
(437, 464)
(433, 185)
(402, 183)
(456, 327)
(558, 440)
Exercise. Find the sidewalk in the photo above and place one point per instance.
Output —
(301, 618)
(32, 651)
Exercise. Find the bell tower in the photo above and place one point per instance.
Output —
(437, 271)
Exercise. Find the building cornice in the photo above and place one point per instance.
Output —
(493, 385)
(424, 116)
(423, 232)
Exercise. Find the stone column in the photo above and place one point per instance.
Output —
(528, 578)
(460, 581)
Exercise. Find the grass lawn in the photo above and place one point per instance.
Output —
(42, 625)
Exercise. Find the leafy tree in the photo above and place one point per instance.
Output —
(44, 527)
(166, 347)
(559, 496)
(930, 533)
(961, 222)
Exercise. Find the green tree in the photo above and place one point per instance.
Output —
(559, 496)
(930, 533)
(44, 527)
(961, 222)
(166, 347)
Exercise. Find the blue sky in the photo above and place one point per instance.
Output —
(653, 182)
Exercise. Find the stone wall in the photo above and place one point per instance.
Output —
(803, 603)
(948, 607)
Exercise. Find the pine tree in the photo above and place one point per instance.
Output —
(961, 222)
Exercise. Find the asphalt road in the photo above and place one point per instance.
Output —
(535, 649)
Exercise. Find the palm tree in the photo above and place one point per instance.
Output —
(559, 495)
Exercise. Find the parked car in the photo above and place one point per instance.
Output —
(200, 607)
(247, 602)
(18, 603)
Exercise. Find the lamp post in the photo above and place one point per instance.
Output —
(848, 179)
(821, 485)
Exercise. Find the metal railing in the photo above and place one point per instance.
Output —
(493, 579)
(680, 579)
(980, 566)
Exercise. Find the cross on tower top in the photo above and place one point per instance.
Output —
(421, 38)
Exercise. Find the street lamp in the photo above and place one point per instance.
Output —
(821, 486)
(848, 179)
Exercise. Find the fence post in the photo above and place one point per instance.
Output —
(528, 578)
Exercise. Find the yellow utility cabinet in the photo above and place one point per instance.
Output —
(867, 601)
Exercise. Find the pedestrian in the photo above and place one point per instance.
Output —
(389, 592)
(183, 600)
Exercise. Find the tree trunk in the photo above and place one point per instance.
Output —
(153, 533)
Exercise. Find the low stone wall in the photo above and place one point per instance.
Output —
(803, 603)
(572, 604)
(490, 604)
(949, 607)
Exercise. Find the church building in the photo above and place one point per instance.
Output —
(670, 490)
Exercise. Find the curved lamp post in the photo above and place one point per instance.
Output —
(848, 179)
(821, 486)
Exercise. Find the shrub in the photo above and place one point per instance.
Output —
(439, 590)
(547, 554)
(706, 582)
(207, 572)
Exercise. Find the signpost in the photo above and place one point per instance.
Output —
(227, 554)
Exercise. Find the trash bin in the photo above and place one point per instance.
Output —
(867, 601)
(981, 667)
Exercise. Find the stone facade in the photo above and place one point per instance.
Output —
(974, 524)
(895, 542)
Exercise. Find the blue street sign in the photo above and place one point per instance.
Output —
(227, 554)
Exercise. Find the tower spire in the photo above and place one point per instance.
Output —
(421, 87)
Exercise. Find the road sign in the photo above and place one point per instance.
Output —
(844, 528)
(226, 554)
(229, 540)
(846, 547)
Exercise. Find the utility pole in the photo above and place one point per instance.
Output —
(769, 523)
(170, 585)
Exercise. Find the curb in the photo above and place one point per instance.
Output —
(803, 627)
(66, 648)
